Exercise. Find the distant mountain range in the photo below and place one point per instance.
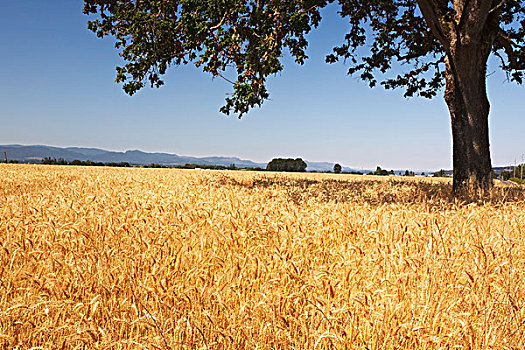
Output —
(35, 153)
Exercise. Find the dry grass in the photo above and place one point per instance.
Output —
(102, 258)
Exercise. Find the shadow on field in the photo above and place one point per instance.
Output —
(376, 192)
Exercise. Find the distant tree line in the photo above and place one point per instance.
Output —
(441, 173)
(62, 161)
(517, 174)
(381, 172)
(154, 165)
(216, 167)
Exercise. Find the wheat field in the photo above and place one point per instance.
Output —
(107, 258)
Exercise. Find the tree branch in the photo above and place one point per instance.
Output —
(497, 7)
(506, 43)
(430, 13)
(220, 23)
(474, 14)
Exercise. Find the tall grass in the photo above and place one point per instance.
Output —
(172, 259)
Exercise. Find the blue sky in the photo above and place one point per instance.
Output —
(58, 89)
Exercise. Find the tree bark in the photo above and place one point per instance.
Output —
(466, 97)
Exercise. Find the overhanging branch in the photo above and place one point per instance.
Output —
(507, 44)
(431, 14)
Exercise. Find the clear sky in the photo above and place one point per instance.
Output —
(57, 88)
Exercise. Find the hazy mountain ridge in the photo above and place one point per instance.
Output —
(35, 153)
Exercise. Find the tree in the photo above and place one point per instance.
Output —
(516, 173)
(288, 164)
(444, 43)
(381, 172)
(440, 173)
(337, 168)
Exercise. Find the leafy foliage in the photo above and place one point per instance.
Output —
(517, 173)
(440, 173)
(62, 161)
(288, 164)
(381, 172)
(247, 39)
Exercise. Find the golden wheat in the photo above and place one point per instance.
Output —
(105, 258)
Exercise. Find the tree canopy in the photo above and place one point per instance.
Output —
(287, 164)
(252, 36)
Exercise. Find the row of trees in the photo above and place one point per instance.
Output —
(441, 173)
(62, 161)
(381, 172)
(289, 164)
(216, 167)
(276, 164)
(384, 172)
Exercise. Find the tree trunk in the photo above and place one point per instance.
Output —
(466, 97)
